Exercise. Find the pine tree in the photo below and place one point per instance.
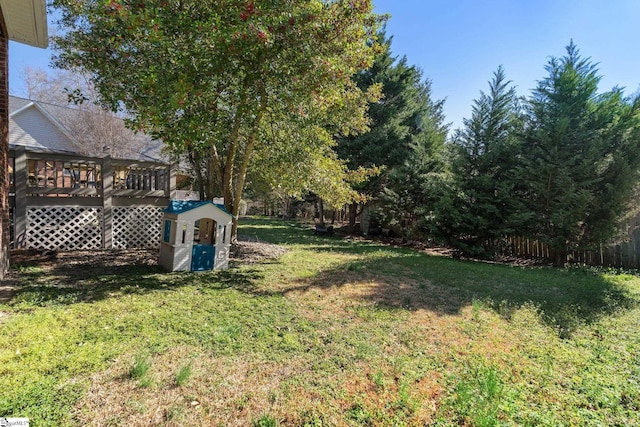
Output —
(395, 120)
(413, 188)
(478, 206)
(582, 155)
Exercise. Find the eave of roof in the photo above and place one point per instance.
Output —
(26, 21)
(180, 206)
(48, 116)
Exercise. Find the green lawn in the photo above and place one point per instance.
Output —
(335, 332)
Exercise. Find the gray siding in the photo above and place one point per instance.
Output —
(32, 129)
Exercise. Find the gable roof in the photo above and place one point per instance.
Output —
(36, 124)
(32, 126)
(180, 206)
(26, 21)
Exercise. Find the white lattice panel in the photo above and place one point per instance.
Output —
(64, 228)
(136, 227)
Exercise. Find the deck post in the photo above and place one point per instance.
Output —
(107, 203)
(20, 208)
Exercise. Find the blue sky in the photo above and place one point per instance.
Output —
(459, 43)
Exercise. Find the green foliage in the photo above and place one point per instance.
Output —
(360, 415)
(220, 82)
(265, 421)
(414, 186)
(403, 124)
(139, 370)
(414, 189)
(479, 206)
(478, 395)
(183, 375)
(394, 119)
(563, 169)
(581, 156)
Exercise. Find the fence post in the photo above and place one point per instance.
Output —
(107, 202)
(171, 191)
(20, 212)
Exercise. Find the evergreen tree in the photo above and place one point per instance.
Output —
(413, 188)
(394, 121)
(582, 155)
(478, 206)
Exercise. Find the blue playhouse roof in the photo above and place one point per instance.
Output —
(180, 206)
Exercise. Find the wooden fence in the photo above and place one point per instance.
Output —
(624, 254)
(63, 201)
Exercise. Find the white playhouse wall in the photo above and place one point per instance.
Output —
(175, 255)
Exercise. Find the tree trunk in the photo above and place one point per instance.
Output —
(285, 206)
(560, 258)
(194, 159)
(353, 215)
(321, 211)
(244, 166)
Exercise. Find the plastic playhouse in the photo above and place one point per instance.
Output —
(195, 236)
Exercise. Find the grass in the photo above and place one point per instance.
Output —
(139, 370)
(183, 375)
(335, 332)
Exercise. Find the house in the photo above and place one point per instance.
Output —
(49, 128)
(25, 22)
(196, 236)
(66, 196)
(43, 126)
(32, 126)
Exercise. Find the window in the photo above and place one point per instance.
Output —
(167, 230)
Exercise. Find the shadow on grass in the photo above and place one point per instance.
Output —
(565, 299)
(399, 277)
(43, 283)
(394, 277)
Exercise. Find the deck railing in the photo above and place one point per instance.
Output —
(65, 201)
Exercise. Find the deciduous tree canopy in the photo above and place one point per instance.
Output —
(229, 81)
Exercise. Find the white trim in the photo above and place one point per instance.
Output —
(26, 21)
(49, 117)
(20, 110)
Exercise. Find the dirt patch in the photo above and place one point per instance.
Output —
(96, 258)
(229, 391)
(242, 252)
(246, 251)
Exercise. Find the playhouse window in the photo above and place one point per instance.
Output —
(196, 231)
(167, 231)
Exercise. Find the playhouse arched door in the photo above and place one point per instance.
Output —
(203, 252)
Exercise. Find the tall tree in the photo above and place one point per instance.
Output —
(582, 155)
(413, 188)
(213, 79)
(395, 120)
(481, 205)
